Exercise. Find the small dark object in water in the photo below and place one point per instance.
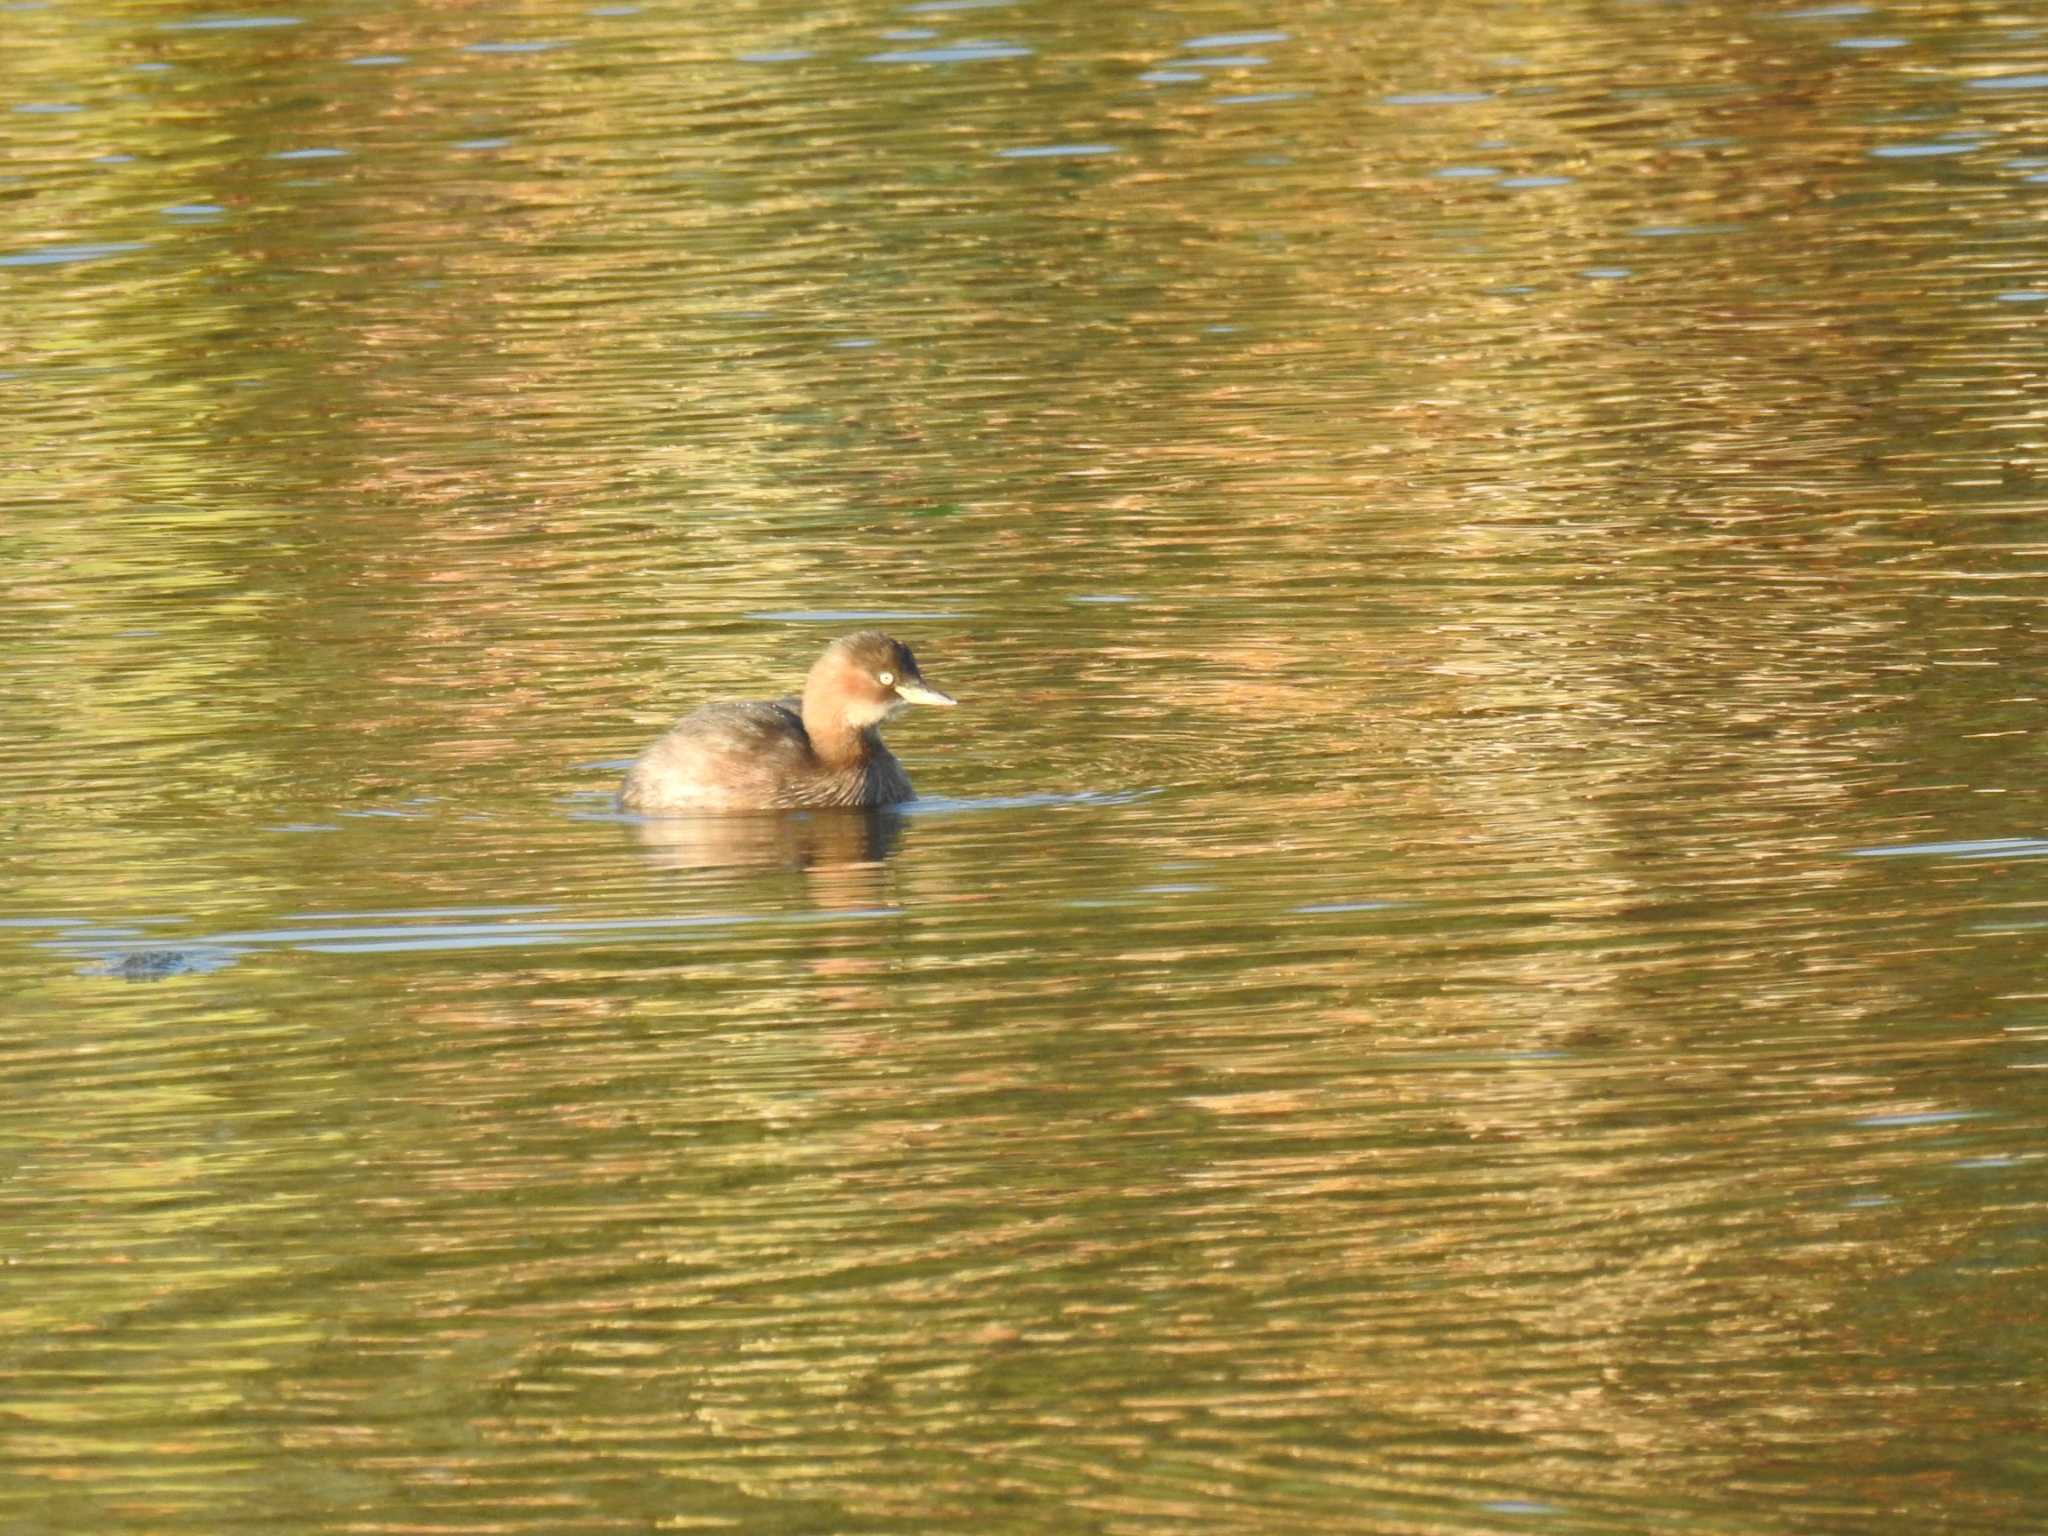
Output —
(158, 964)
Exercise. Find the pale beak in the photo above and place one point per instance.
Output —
(910, 691)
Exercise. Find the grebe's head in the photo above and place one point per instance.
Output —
(863, 679)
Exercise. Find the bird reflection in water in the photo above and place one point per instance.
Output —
(843, 853)
(843, 858)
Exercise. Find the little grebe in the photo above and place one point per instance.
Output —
(822, 750)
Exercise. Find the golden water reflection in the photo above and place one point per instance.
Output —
(1472, 960)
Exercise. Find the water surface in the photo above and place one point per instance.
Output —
(1468, 964)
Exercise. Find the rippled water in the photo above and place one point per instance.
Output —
(1470, 962)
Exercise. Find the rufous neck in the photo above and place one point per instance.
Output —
(834, 738)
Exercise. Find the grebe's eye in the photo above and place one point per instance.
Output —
(885, 678)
